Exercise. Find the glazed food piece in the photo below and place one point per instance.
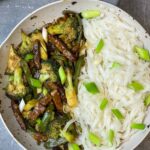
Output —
(40, 71)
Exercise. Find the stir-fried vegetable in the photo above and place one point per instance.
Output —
(13, 61)
(99, 46)
(62, 75)
(117, 114)
(94, 139)
(136, 86)
(43, 75)
(70, 91)
(26, 45)
(139, 126)
(73, 146)
(91, 87)
(143, 53)
(88, 14)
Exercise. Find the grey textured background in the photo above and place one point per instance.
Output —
(12, 11)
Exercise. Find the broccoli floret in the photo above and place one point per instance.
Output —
(47, 72)
(13, 61)
(16, 89)
(26, 45)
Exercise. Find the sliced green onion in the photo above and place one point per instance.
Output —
(68, 136)
(115, 65)
(91, 87)
(111, 135)
(35, 83)
(62, 75)
(136, 86)
(99, 46)
(147, 100)
(45, 91)
(29, 57)
(118, 114)
(39, 90)
(94, 139)
(88, 14)
(139, 126)
(18, 76)
(143, 53)
(44, 77)
(103, 104)
(73, 146)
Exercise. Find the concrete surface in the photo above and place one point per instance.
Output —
(12, 11)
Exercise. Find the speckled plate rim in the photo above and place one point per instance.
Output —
(139, 139)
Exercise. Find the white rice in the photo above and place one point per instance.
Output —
(119, 38)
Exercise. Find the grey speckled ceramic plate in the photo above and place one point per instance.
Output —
(44, 15)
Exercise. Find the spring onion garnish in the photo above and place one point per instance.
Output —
(35, 83)
(62, 75)
(99, 46)
(44, 91)
(147, 100)
(94, 139)
(118, 114)
(115, 65)
(143, 53)
(139, 126)
(73, 146)
(111, 136)
(45, 34)
(103, 104)
(68, 136)
(21, 105)
(136, 86)
(91, 87)
(88, 14)
(29, 57)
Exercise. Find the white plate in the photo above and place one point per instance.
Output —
(44, 15)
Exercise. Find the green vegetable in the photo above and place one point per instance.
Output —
(115, 65)
(91, 87)
(16, 88)
(29, 57)
(88, 14)
(68, 136)
(73, 146)
(26, 45)
(80, 62)
(139, 126)
(26, 70)
(94, 139)
(62, 75)
(42, 125)
(53, 143)
(45, 91)
(30, 104)
(111, 135)
(11, 78)
(18, 76)
(13, 61)
(117, 114)
(103, 104)
(147, 100)
(143, 53)
(70, 91)
(136, 86)
(47, 72)
(99, 46)
(35, 83)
